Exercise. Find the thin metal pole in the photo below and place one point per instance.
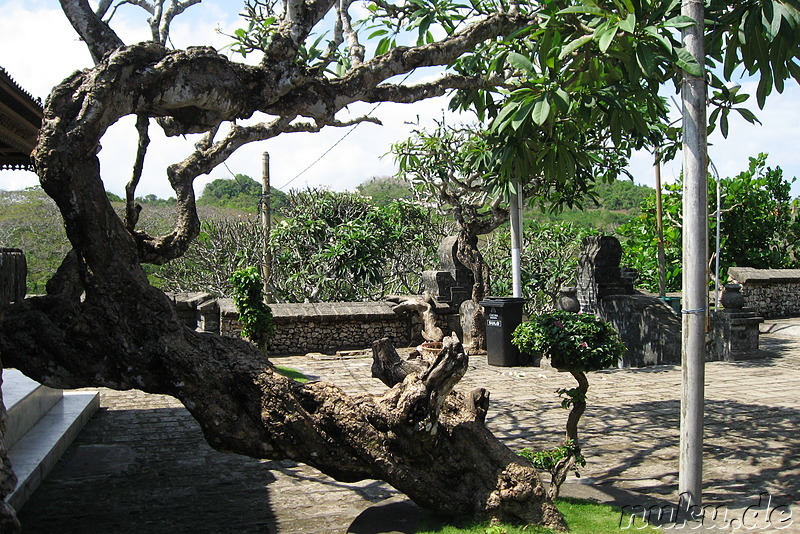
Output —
(662, 260)
(719, 240)
(266, 227)
(515, 214)
(695, 262)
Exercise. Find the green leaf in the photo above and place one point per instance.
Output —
(686, 61)
(522, 114)
(378, 33)
(628, 24)
(605, 35)
(562, 99)
(665, 43)
(748, 115)
(794, 70)
(590, 10)
(383, 46)
(541, 111)
(519, 61)
(723, 123)
(681, 21)
(764, 87)
(574, 45)
(499, 123)
(645, 58)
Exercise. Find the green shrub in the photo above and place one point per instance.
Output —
(572, 340)
(255, 315)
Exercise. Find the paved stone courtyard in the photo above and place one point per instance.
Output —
(141, 464)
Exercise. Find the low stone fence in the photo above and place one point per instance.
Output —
(770, 292)
(312, 327)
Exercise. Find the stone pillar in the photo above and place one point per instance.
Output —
(734, 329)
(13, 274)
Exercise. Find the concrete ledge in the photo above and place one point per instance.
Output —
(35, 453)
(750, 275)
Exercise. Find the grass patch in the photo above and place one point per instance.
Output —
(294, 374)
(582, 516)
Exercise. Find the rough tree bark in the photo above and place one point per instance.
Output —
(102, 324)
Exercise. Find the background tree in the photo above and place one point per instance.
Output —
(341, 247)
(30, 221)
(549, 261)
(758, 227)
(223, 246)
(445, 167)
(240, 192)
(385, 189)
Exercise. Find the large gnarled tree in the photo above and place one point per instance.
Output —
(102, 324)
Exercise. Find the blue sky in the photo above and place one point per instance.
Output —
(38, 48)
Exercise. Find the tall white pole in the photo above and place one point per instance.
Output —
(695, 261)
(266, 226)
(515, 214)
(718, 251)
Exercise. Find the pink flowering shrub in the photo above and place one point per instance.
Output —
(571, 340)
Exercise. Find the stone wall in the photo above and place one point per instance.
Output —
(313, 327)
(770, 292)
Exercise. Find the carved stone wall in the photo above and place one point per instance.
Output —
(452, 284)
(599, 273)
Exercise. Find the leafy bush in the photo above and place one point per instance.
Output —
(255, 315)
(572, 340)
(758, 227)
(548, 459)
(341, 247)
(224, 245)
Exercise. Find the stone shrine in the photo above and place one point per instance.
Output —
(599, 274)
(452, 284)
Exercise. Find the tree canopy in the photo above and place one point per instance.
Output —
(758, 228)
(240, 192)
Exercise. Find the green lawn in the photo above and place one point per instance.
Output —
(582, 516)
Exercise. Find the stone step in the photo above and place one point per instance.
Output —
(42, 423)
(26, 402)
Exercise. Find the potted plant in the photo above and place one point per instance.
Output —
(577, 343)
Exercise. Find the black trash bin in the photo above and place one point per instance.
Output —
(503, 315)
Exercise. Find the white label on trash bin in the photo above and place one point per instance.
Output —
(493, 322)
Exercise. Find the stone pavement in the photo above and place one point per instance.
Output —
(142, 466)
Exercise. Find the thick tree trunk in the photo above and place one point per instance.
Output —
(426, 442)
(471, 257)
